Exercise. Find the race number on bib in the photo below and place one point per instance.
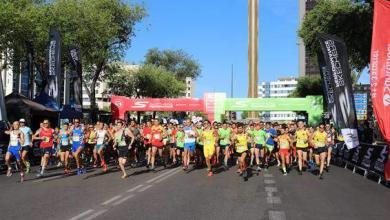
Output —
(76, 138)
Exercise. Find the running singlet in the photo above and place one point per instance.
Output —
(47, 137)
(91, 137)
(64, 138)
(200, 133)
(157, 136)
(259, 136)
(27, 134)
(172, 136)
(189, 135)
(14, 140)
(283, 142)
(100, 135)
(77, 137)
(179, 139)
(302, 139)
(319, 139)
(120, 138)
(242, 143)
(209, 138)
(271, 133)
(147, 133)
(224, 135)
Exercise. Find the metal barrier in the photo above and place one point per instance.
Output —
(366, 157)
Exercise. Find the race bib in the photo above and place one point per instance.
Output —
(76, 138)
(148, 136)
(320, 144)
(208, 142)
(14, 142)
(65, 142)
(46, 139)
(157, 136)
(99, 141)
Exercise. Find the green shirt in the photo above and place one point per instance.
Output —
(224, 136)
(179, 139)
(259, 136)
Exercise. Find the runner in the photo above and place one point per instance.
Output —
(90, 144)
(259, 137)
(330, 137)
(250, 131)
(158, 133)
(63, 140)
(147, 136)
(180, 143)
(27, 143)
(199, 145)
(189, 143)
(14, 147)
(224, 136)
(269, 143)
(285, 143)
(302, 137)
(102, 137)
(209, 139)
(121, 146)
(136, 148)
(217, 147)
(46, 135)
(77, 135)
(319, 142)
(241, 139)
(171, 133)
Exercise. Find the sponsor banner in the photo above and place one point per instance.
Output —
(76, 96)
(3, 111)
(54, 65)
(380, 70)
(336, 59)
(361, 105)
(120, 105)
(351, 137)
(327, 79)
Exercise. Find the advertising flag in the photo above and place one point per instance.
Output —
(327, 80)
(54, 65)
(76, 76)
(336, 59)
(380, 70)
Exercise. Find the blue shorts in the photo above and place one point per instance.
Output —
(99, 146)
(189, 146)
(76, 146)
(259, 146)
(14, 151)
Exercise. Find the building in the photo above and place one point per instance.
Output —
(281, 88)
(7, 75)
(190, 88)
(307, 65)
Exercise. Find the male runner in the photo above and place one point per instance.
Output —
(15, 143)
(180, 142)
(27, 143)
(271, 134)
(147, 136)
(65, 147)
(225, 135)
(285, 143)
(259, 137)
(120, 144)
(329, 145)
(199, 145)
(251, 147)
(241, 139)
(209, 139)
(319, 142)
(77, 135)
(102, 137)
(47, 136)
(189, 143)
(302, 137)
(157, 132)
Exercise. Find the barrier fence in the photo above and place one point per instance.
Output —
(366, 157)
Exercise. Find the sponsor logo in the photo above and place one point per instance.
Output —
(140, 104)
(118, 103)
(386, 100)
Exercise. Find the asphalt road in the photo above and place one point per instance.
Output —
(174, 194)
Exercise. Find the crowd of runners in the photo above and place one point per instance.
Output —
(254, 146)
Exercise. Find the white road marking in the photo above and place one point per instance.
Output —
(135, 188)
(268, 175)
(276, 215)
(47, 179)
(274, 200)
(271, 189)
(159, 176)
(145, 188)
(167, 176)
(266, 181)
(111, 200)
(96, 214)
(123, 199)
(82, 214)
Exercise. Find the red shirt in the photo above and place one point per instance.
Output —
(147, 133)
(157, 133)
(46, 135)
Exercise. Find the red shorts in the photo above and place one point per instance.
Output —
(284, 152)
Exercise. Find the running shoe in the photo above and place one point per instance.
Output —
(321, 177)
(258, 168)
(105, 168)
(124, 176)
(59, 164)
(300, 172)
(210, 173)
(83, 170)
(9, 172)
(21, 177)
(245, 174)
(284, 173)
(79, 172)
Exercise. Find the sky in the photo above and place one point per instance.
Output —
(215, 33)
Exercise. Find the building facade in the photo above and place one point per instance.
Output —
(190, 88)
(281, 88)
(308, 65)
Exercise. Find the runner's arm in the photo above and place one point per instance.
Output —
(21, 138)
(36, 135)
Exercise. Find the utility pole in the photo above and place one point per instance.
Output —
(253, 28)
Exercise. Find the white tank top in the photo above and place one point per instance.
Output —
(100, 135)
(14, 139)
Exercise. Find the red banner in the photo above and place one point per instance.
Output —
(380, 70)
(120, 105)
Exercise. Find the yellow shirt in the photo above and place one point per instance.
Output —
(302, 139)
(208, 138)
(284, 142)
(242, 143)
(319, 139)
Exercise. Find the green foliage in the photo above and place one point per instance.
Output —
(349, 20)
(244, 115)
(176, 61)
(148, 81)
(308, 85)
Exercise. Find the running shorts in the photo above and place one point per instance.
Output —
(65, 148)
(99, 146)
(14, 151)
(25, 148)
(223, 146)
(320, 150)
(240, 153)
(189, 146)
(46, 150)
(75, 147)
(269, 147)
(208, 151)
(249, 145)
(259, 146)
(123, 152)
(304, 149)
(284, 152)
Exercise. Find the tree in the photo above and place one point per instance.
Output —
(148, 81)
(349, 20)
(176, 61)
(308, 85)
(244, 115)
